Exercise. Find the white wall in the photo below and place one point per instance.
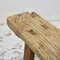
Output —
(49, 9)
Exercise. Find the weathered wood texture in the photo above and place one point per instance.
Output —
(41, 36)
(28, 53)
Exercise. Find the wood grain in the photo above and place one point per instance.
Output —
(42, 37)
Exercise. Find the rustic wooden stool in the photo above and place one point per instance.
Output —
(41, 37)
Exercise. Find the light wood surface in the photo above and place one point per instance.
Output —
(42, 37)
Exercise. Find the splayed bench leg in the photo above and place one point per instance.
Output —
(28, 53)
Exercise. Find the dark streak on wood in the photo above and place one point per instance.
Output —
(45, 27)
(32, 31)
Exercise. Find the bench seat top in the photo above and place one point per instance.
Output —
(41, 36)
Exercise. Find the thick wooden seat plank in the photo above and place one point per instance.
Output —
(42, 37)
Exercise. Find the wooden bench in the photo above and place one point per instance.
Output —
(40, 37)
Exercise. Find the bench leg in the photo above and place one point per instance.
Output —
(28, 53)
